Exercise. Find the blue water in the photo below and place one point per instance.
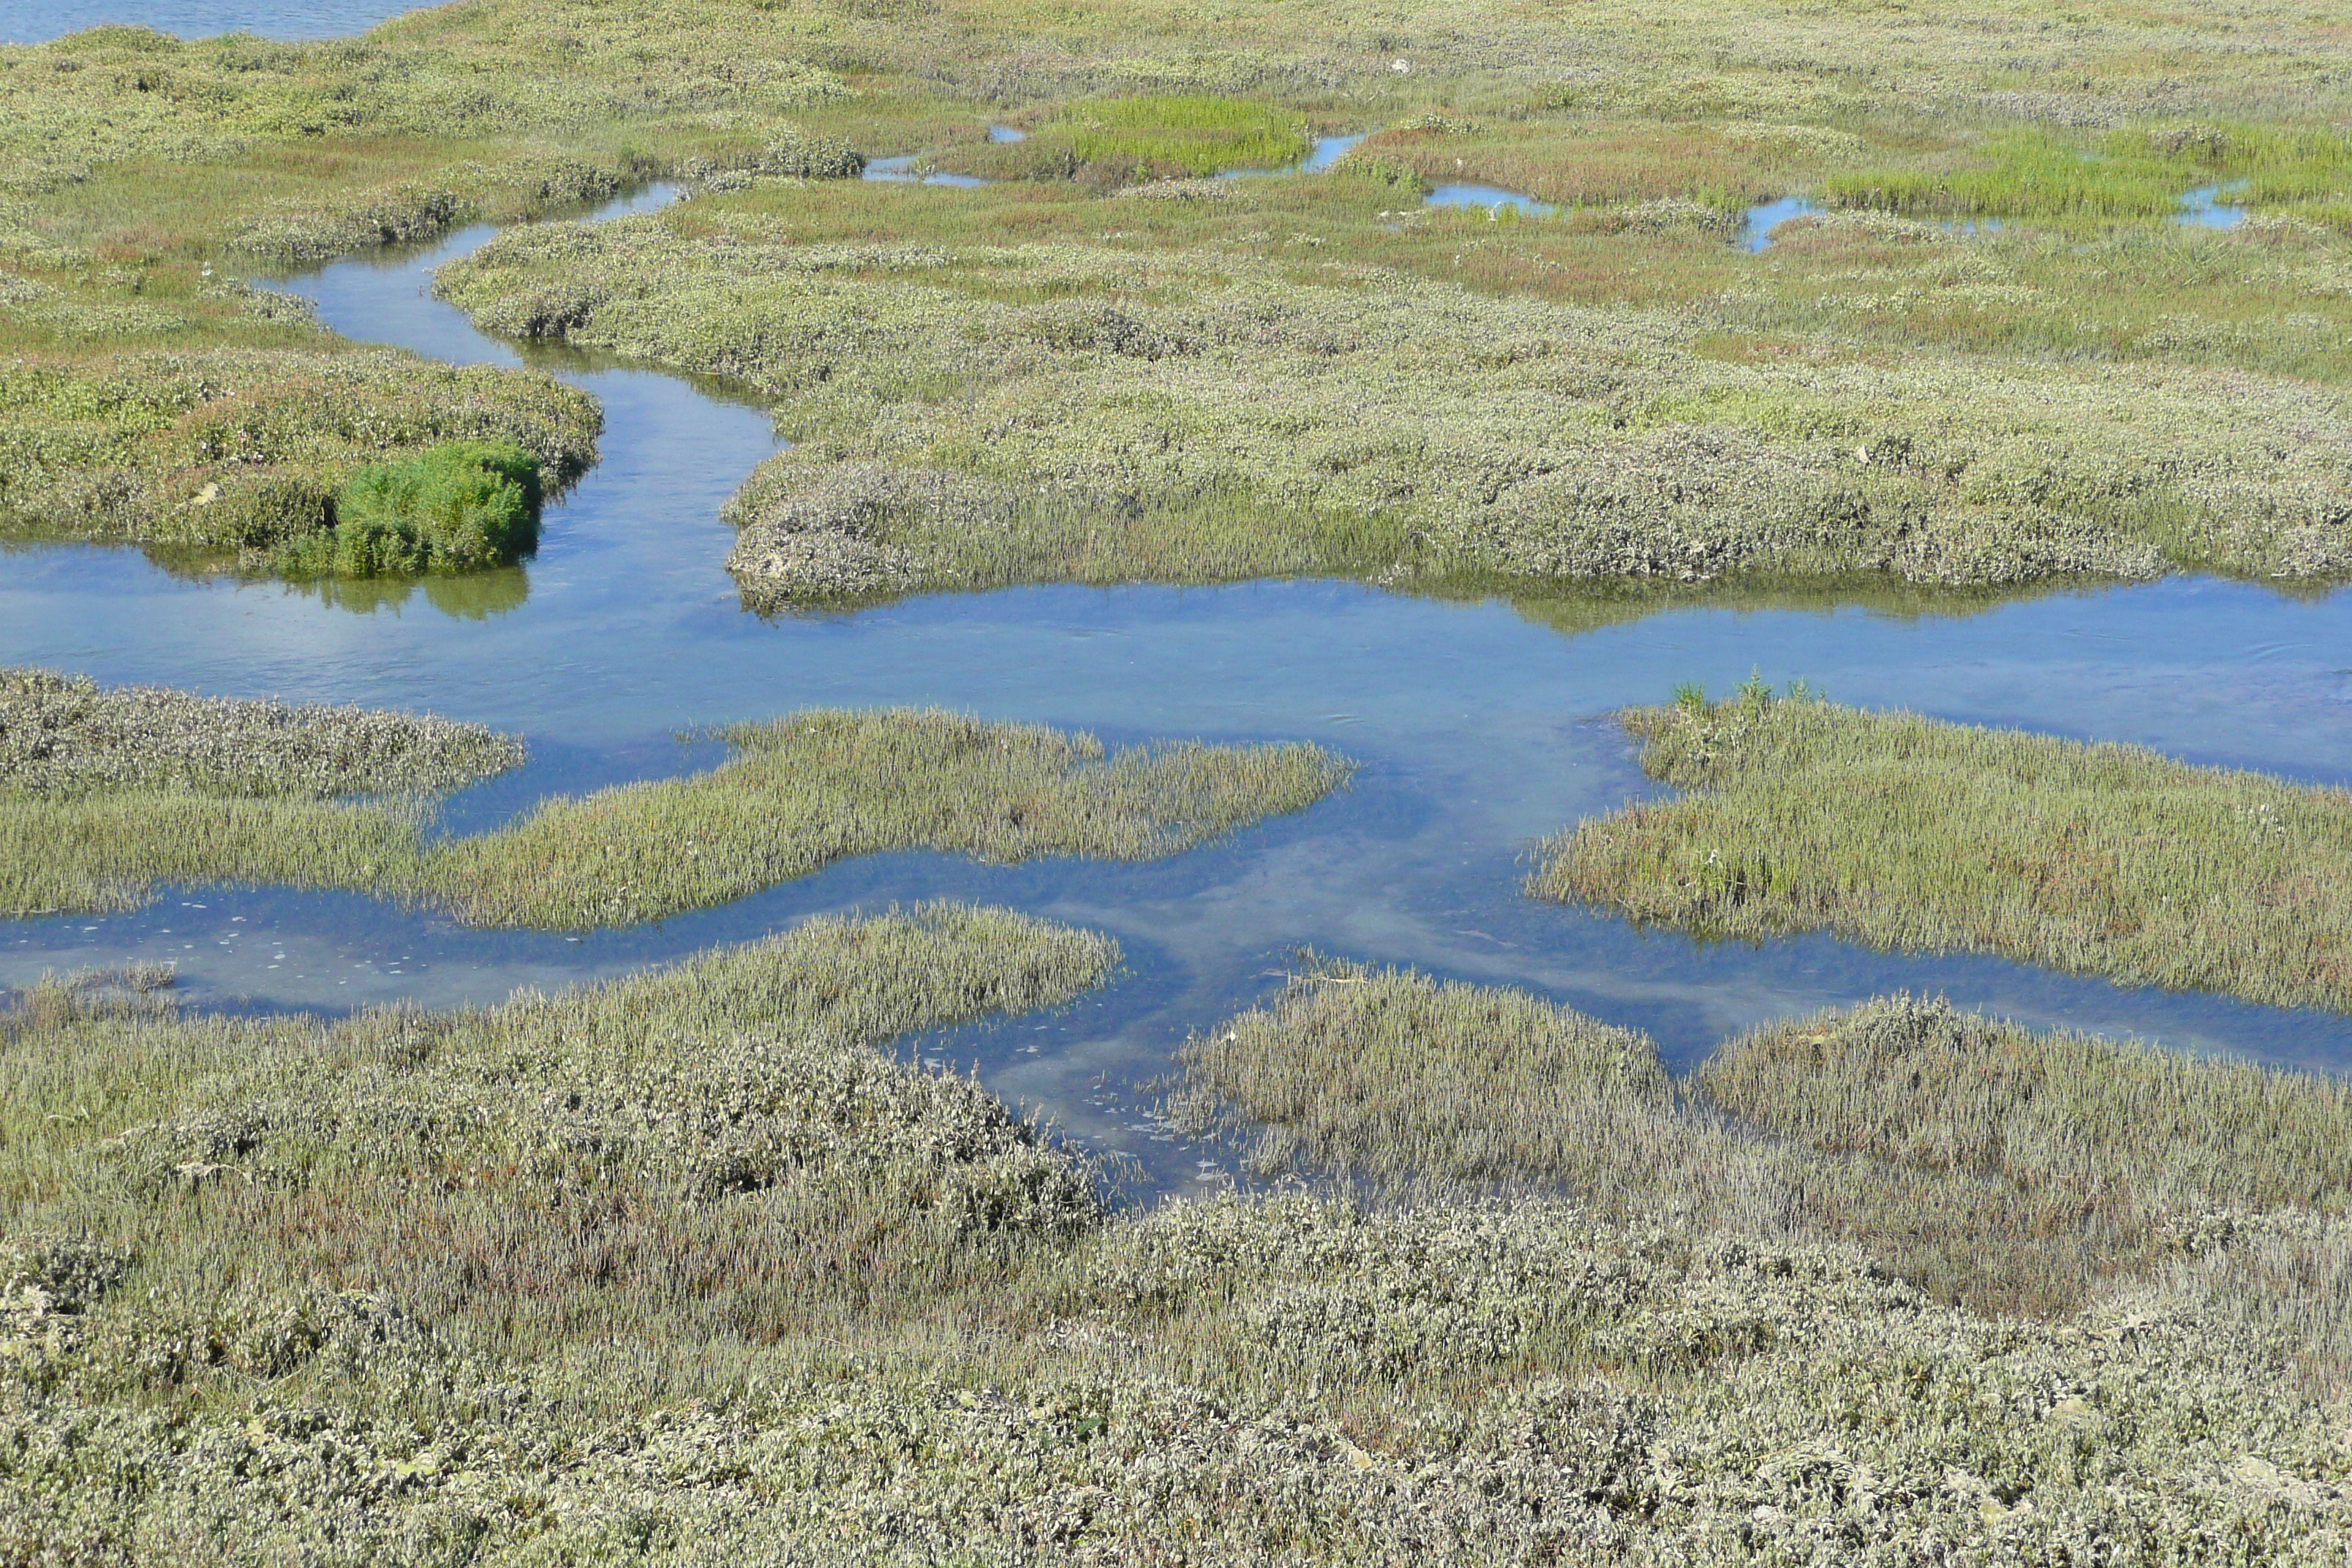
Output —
(1491, 198)
(1327, 151)
(902, 169)
(2203, 207)
(36, 21)
(1007, 133)
(1324, 151)
(1756, 231)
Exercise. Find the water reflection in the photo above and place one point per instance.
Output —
(1494, 198)
(1756, 229)
(2203, 207)
(903, 169)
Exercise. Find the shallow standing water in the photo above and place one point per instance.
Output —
(38, 21)
(1478, 727)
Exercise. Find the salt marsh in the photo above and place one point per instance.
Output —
(730, 1254)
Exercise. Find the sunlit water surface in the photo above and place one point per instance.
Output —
(38, 21)
(1479, 728)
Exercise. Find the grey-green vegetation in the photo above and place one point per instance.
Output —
(65, 737)
(262, 457)
(104, 793)
(2001, 1169)
(966, 415)
(1903, 832)
(687, 1269)
(108, 794)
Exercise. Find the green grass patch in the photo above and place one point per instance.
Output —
(1173, 135)
(452, 508)
(2125, 174)
(92, 823)
(1905, 833)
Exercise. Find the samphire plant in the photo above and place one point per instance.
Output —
(452, 508)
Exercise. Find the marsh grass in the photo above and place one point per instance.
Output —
(108, 813)
(248, 452)
(688, 1268)
(2006, 1171)
(132, 160)
(2134, 174)
(65, 737)
(1153, 137)
(1901, 832)
(822, 786)
(646, 1140)
(965, 418)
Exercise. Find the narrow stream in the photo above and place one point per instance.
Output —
(1478, 726)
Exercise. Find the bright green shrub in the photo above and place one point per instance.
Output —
(451, 508)
(1191, 134)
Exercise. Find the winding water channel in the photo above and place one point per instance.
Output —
(1478, 726)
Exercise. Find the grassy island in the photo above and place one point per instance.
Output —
(104, 794)
(1178, 406)
(2001, 1169)
(1901, 832)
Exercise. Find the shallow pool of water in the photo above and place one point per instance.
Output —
(2204, 208)
(1755, 229)
(1324, 152)
(36, 21)
(1478, 725)
(902, 170)
(1494, 198)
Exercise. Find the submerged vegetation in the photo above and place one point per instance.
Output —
(686, 1268)
(1903, 832)
(105, 794)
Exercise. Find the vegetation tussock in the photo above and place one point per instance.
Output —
(274, 460)
(447, 508)
(686, 1268)
(110, 793)
(1906, 833)
(2000, 1170)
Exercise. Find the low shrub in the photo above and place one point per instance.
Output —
(451, 508)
